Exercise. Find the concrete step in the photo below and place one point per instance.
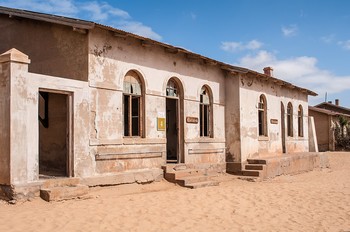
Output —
(254, 166)
(256, 161)
(63, 192)
(174, 167)
(191, 179)
(251, 173)
(58, 182)
(172, 176)
(202, 184)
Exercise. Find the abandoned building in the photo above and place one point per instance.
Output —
(87, 101)
(331, 121)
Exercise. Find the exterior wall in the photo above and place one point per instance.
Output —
(110, 58)
(54, 49)
(323, 130)
(5, 123)
(24, 123)
(232, 119)
(253, 145)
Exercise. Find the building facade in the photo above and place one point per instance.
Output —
(85, 100)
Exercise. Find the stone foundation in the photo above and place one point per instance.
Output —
(295, 163)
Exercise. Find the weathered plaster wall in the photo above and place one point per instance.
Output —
(324, 131)
(5, 123)
(232, 118)
(54, 49)
(254, 145)
(110, 59)
(24, 141)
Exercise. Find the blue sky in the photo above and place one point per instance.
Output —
(306, 42)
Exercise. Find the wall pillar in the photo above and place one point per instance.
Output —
(13, 98)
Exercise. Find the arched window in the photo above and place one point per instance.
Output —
(205, 118)
(133, 103)
(290, 120)
(300, 121)
(172, 89)
(262, 116)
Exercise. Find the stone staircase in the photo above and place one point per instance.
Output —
(63, 189)
(253, 170)
(188, 176)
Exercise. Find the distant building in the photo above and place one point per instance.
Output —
(80, 99)
(326, 116)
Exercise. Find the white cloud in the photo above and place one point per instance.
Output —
(301, 71)
(328, 38)
(239, 46)
(97, 11)
(140, 29)
(290, 30)
(345, 44)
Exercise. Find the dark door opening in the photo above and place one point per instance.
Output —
(283, 129)
(53, 134)
(172, 130)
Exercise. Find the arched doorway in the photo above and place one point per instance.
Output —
(174, 122)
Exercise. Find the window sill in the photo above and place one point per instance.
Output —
(263, 138)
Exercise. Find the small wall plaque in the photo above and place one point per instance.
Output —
(161, 124)
(274, 121)
(193, 120)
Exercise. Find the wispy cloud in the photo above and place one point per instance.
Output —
(240, 46)
(97, 11)
(302, 71)
(328, 38)
(289, 31)
(345, 44)
(193, 16)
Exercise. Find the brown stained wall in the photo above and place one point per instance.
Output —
(322, 126)
(53, 49)
(4, 124)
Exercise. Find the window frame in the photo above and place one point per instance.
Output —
(130, 94)
(205, 113)
(300, 121)
(262, 116)
(290, 119)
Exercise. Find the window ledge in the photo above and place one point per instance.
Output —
(263, 138)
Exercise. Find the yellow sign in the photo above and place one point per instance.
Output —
(161, 124)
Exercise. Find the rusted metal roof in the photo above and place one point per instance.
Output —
(87, 25)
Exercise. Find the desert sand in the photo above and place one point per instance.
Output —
(312, 201)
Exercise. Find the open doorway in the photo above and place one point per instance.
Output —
(54, 134)
(174, 122)
(172, 130)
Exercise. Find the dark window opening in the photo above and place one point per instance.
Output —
(44, 108)
(300, 122)
(204, 114)
(290, 120)
(262, 117)
(132, 105)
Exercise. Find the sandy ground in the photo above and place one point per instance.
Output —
(313, 201)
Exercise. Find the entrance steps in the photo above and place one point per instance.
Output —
(188, 176)
(254, 170)
(63, 189)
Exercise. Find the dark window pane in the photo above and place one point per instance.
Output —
(206, 120)
(135, 115)
(126, 115)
